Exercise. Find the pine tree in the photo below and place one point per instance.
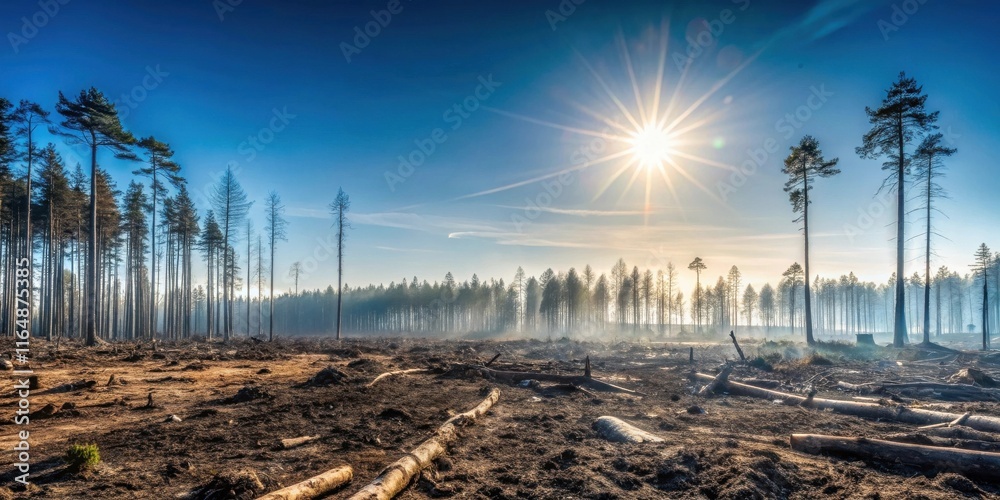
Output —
(276, 230)
(804, 164)
(894, 125)
(929, 160)
(92, 120)
(231, 206)
(340, 207)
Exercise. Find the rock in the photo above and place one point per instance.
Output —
(530, 383)
(173, 418)
(6, 365)
(263, 371)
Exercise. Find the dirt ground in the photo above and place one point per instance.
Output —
(236, 401)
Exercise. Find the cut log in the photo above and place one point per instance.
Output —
(515, 377)
(963, 392)
(925, 438)
(976, 464)
(866, 410)
(717, 382)
(315, 486)
(299, 441)
(620, 431)
(397, 372)
(739, 351)
(394, 478)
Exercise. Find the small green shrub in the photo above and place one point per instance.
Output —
(82, 456)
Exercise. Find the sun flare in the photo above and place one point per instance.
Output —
(654, 137)
(651, 146)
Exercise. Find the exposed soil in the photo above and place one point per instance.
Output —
(237, 401)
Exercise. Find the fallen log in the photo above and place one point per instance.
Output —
(719, 380)
(394, 478)
(961, 392)
(315, 486)
(515, 377)
(926, 439)
(970, 463)
(397, 372)
(299, 441)
(620, 431)
(873, 411)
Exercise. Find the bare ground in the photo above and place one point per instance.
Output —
(535, 443)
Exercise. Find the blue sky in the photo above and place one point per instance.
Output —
(530, 98)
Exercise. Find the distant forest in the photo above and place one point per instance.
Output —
(117, 264)
(632, 301)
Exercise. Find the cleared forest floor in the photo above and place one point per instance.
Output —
(536, 442)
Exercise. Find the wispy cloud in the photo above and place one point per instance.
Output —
(310, 213)
(583, 212)
(828, 17)
(418, 222)
(405, 250)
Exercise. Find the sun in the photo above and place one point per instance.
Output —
(650, 146)
(650, 132)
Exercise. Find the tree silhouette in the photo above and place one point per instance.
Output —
(92, 120)
(231, 206)
(340, 206)
(803, 164)
(982, 267)
(276, 230)
(894, 124)
(697, 265)
(929, 166)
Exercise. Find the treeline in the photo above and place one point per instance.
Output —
(633, 301)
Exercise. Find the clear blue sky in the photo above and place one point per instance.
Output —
(221, 80)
